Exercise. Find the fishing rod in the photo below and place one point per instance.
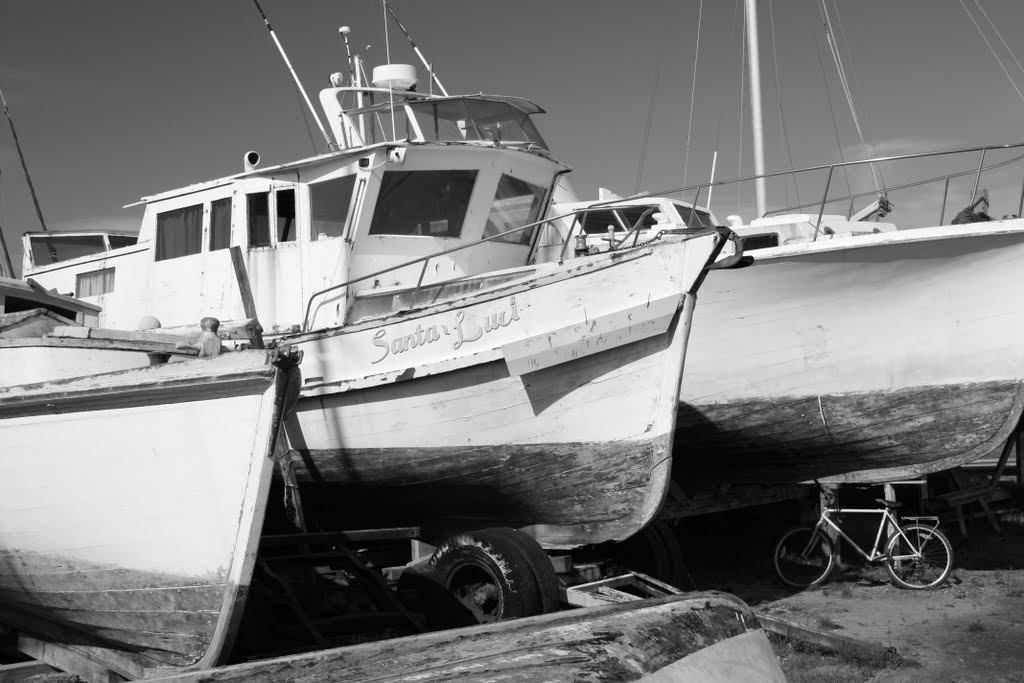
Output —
(416, 49)
(298, 83)
(28, 180)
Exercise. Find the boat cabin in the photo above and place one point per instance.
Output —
(411, 175)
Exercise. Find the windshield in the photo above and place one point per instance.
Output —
(474, 119)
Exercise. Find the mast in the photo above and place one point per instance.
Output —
(756, 124)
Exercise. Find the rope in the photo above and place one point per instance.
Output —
(778, 92)
(722, 105)
(650, 110)
(992, 50)
(693, 92)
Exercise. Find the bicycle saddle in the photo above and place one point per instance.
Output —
(891, 504)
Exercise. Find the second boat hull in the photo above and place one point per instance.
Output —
(877, 358)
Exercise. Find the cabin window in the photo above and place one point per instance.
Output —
(516, 203)
(50, 249)
(220, 224)
(13, 304)
(475, 119)
(424, 203)
(179, 232)
(118, 241)
(701, 219)
(762, 241)
(258, 209)
(285, 215)
(94, 283)
(597, 222)
(329, 206)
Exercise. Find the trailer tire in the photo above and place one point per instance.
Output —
(544, 574)
(489, 575)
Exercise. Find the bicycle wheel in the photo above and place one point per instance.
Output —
(804, 557)
(923, 562)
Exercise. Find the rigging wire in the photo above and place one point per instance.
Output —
(721, 108)
(778, 95)
(856, 86)
(844, 82)
(650, 110)
(693, 93)
(1000, 35)
(992, 50)
(387, 49)
(832, 112)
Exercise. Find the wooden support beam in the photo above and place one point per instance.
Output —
(16, 673)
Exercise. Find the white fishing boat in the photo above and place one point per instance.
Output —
(131, 505)
(446, 369)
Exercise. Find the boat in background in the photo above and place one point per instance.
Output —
(131, 505)
(849, 353)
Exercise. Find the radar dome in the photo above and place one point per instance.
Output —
(394, 76)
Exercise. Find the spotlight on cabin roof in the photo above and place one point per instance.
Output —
(394, 76)
(337, 79)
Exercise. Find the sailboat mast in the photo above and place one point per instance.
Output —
(756, 124)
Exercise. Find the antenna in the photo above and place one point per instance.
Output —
(344, 31)
(415, 48)
(298, 83)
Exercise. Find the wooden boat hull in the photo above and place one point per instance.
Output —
(863, 360)
(704, 637)
(131, 505)
(549, 402)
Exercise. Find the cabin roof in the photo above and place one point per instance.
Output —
(523, 105)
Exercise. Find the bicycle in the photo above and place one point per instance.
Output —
(917, 555)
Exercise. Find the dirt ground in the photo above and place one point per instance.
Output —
(971, 629)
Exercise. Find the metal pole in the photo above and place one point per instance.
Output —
(298, 83)
(711, 185)
(416, 49)
(977, 179)
(753, 62)
(945, 193)
(824, 198)
(693, 209)
(1020, 205)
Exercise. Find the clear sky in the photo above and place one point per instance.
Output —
(117, 99)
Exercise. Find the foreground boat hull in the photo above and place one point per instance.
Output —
(706, 637)
(131, 505)
(876, 358)
(561, 419)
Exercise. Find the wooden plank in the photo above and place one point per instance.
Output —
(831, 641)
(66, 659)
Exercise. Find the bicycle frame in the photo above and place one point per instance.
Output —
(825, 523)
